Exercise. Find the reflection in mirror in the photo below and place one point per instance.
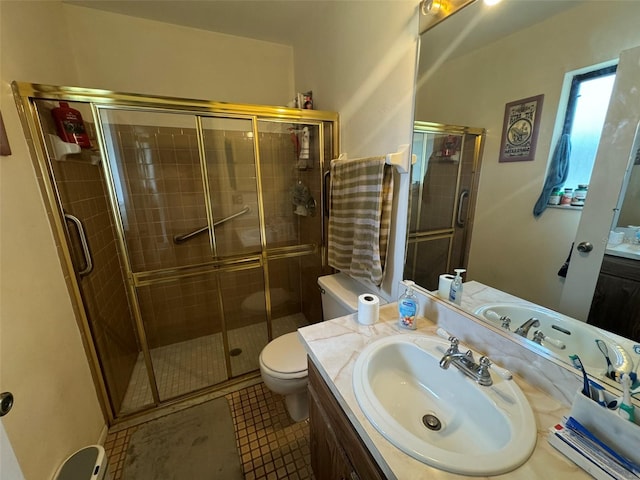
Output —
(470, 67)
(443, 193)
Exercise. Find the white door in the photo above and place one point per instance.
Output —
(9, 468)
(612, 160)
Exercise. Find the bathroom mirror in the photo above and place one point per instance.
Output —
(470, 67)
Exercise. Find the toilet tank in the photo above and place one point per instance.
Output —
(340, 295)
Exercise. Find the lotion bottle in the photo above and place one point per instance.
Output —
(455, 292)
(407, 307)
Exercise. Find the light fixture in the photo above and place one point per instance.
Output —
(427, 7)
(434, 11)
(490, 3)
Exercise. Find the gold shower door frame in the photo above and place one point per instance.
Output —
(26, 94)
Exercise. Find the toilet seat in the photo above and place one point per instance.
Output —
(285, 357)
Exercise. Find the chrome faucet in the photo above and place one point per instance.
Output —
(523, 330)
(466, 364)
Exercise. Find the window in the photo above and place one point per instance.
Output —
(584, 119)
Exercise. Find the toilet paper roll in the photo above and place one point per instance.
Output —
(368, 309)
(444, 285)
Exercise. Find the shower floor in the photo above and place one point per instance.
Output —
(198, 363)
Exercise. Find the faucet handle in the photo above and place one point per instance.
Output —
(453, 348)
(485, 363)
(442, 333)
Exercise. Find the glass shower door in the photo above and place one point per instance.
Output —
(291, 163)
(176, 177)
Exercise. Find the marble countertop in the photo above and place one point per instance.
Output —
(626, 250)
(334, 346)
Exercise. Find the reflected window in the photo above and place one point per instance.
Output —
(586, 110)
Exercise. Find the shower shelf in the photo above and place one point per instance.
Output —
(61, 150)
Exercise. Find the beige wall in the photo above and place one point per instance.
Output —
(511, 250)
(359, 59)
(128, 54)
(42, 360)
(359, 62)
(630, 211)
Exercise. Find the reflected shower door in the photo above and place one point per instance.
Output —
(441, 199)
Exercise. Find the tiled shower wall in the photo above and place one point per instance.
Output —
(160, 173)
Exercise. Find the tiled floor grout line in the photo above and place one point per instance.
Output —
(270, 445)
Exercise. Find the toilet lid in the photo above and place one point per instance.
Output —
(285, 354)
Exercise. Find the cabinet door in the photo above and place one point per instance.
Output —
(328, 459)
(337, 451)
(616, 301)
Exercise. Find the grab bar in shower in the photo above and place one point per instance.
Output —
(178, 239)
(83, 242)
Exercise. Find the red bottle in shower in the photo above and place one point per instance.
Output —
(70, 125)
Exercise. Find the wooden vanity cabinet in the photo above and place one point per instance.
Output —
(337, 451)
(616, 300)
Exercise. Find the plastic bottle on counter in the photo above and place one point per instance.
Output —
(408, 307)
(455, 292)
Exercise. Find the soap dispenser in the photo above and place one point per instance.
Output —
(455, 292)
(407, 307)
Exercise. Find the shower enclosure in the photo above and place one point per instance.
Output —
(193, 234)
(444, 182)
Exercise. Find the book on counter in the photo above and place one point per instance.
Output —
(580, 446)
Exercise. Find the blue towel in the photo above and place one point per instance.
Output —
(557, 174)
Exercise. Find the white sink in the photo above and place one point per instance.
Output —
(576, 337)
(484, 430)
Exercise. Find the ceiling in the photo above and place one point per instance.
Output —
(282, 21)
(278, 21)
(477, 25)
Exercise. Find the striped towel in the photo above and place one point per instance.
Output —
(360, 216)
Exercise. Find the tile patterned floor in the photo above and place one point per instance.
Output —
(271, 446)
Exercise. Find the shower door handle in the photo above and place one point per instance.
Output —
(461, 222)
(83, 242)
(326, 188)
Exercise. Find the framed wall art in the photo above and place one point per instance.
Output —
(520, 129)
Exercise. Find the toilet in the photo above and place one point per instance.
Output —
(283, 362)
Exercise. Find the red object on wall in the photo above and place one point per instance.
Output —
(70, 125)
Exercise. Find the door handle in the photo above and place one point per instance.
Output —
(585, 247)
(83, 242)
(326, 191)
(461, 222)
(6, 402)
